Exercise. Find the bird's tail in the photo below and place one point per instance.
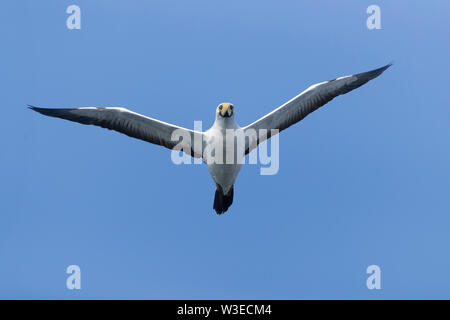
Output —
(223, 201)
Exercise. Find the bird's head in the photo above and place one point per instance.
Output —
(225, 110)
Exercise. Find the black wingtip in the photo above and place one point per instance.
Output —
(34, 108)
(373, 73)
(382, 69)
(37, 109)
(44, 111)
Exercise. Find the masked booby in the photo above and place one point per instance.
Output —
(223, 173)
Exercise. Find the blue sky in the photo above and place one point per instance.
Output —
(364, 180)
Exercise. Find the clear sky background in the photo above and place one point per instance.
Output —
(364, 180)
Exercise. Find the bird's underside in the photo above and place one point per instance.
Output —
(162, 133)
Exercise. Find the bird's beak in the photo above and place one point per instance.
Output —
(226, 111)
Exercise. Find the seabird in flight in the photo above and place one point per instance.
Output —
(223, 173)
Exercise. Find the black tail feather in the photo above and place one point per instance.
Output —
(223, 201)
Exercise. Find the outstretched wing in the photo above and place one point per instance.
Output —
(132, 124)
(306, 102)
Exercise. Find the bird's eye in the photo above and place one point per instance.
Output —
(220, 107)
(231, 107)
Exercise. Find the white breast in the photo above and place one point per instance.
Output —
(223, 172)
